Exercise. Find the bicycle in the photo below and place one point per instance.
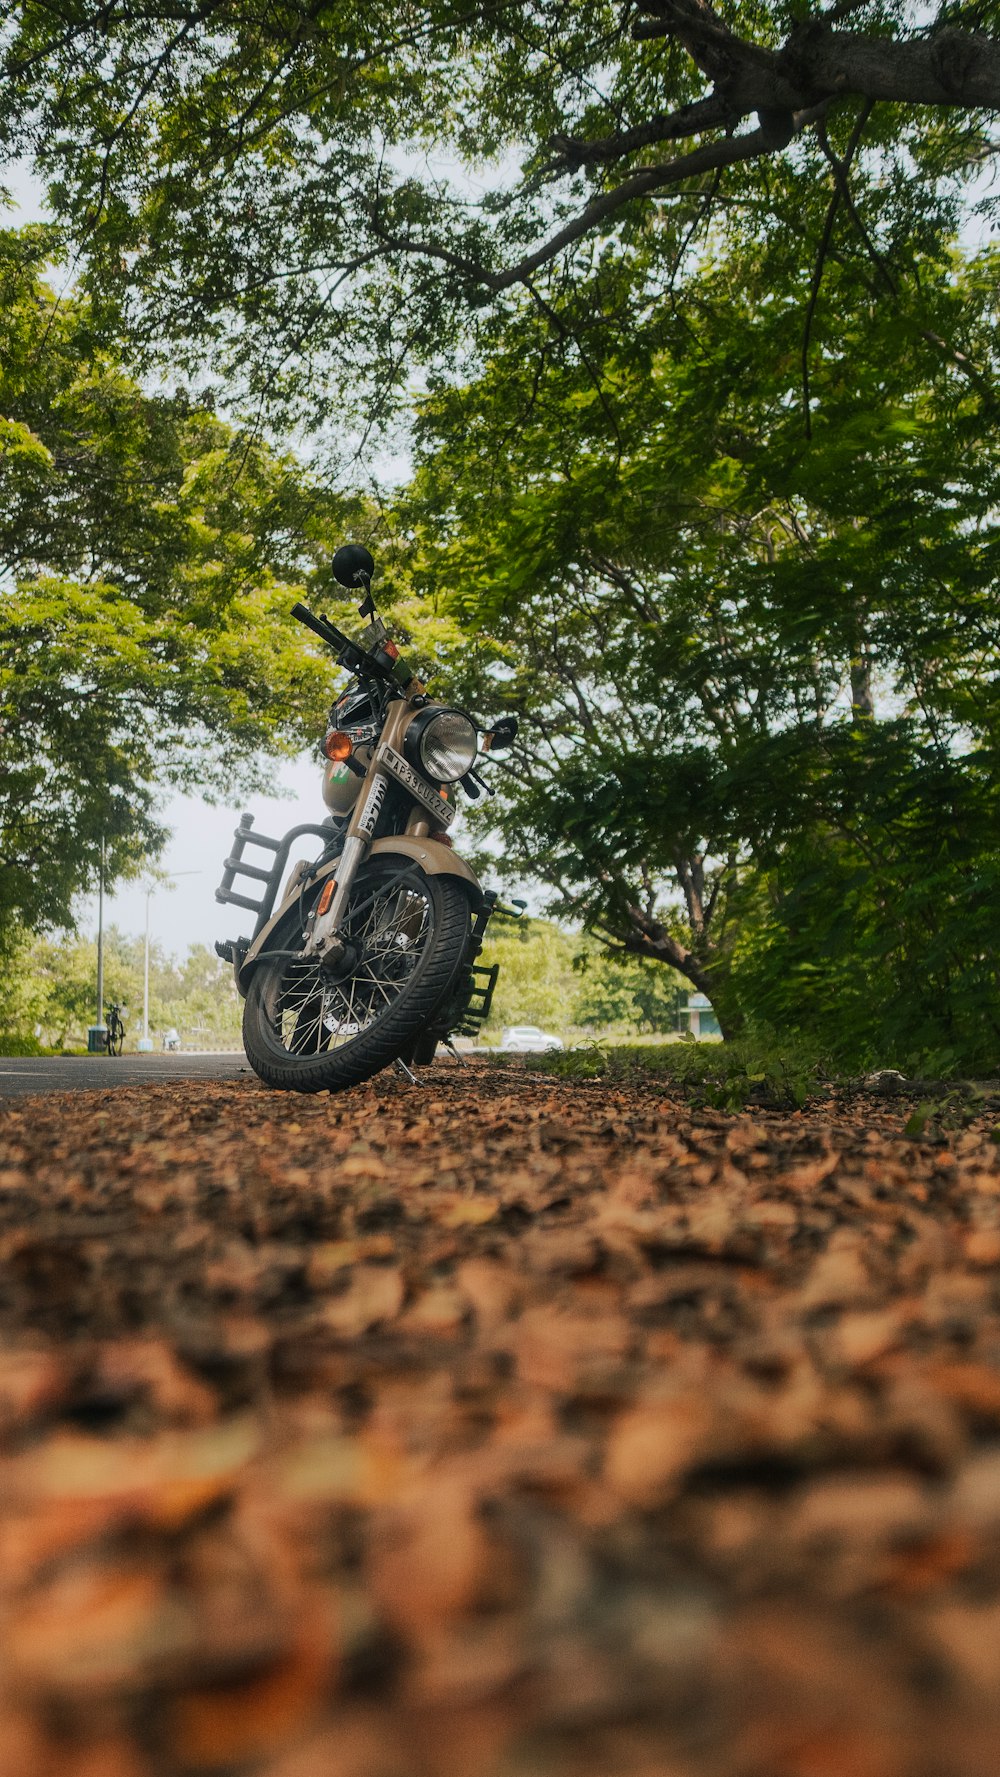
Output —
(116, 1030)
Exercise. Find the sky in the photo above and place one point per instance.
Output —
(185, 912)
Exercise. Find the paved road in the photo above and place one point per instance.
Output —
(89, 1073)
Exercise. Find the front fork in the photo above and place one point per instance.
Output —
(323, 939)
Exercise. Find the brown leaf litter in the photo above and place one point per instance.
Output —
(496, 1428)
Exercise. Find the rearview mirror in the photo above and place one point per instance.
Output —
(501, 734)
(353, 565)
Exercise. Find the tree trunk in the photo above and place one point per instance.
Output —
(647, 937)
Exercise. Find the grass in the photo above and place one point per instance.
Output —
(11, 1044)
(755, 1070)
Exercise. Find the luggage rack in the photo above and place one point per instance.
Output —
(270, 878)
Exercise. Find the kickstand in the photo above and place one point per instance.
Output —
(401, 1068)
(449, 1045)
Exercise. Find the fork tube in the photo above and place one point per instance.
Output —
(360, 832)
(351, 859)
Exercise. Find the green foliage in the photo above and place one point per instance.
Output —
(566, 983)
(756, 666)
(537, 982)
(13, 1044)
(54, 983)
(874, 927)
(621, 992)
(51, 986)
(299, 201)
(149, 556)
(708, 495)
(762, 1070)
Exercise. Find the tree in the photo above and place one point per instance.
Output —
(756, 658)
(692, 386)
(311, 197)
(149, 556)
(631, 994)
(54, 979)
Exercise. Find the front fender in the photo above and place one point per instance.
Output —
(434, 859)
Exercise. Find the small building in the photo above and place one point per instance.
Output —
(702, 1021)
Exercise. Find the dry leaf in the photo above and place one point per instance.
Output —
(375, 1295)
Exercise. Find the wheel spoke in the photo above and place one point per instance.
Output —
(374, 982)
(313, 1013)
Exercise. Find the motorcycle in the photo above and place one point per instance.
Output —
(368, 954)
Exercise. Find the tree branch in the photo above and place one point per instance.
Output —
(674, 126)
(840, 177)
(728, 151)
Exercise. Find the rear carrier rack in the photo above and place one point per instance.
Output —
(269, 878)
(480, 999)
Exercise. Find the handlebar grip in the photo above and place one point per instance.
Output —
(319, 626)
(349, 654)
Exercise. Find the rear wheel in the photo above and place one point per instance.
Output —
(313, 1026)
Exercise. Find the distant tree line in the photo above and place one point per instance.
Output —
(548, 976)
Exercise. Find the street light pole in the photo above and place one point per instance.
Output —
(145, 974)
(100, 941)
(97, 1033)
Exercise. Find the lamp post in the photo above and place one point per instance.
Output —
(97, 1035)
(100, 941)
(145, 1044)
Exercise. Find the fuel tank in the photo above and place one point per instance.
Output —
(341, 785)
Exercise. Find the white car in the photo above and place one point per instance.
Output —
(527, 1039)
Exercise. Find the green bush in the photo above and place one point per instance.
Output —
(13, 1044)
(760, 1070)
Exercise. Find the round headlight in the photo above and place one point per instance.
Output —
(447, 746)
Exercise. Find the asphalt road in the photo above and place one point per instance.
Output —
(20, 1075)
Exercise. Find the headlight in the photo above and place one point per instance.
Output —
(445, 744)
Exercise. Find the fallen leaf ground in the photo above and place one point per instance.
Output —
(496, 1428)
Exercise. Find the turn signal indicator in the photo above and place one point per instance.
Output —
(338, 746)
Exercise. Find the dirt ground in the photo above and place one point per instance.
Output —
(496, 1428)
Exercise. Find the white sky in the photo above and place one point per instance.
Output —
(186, 911)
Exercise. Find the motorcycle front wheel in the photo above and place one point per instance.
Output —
(313, 1026)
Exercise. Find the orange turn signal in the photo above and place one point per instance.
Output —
(326, 897)
(338, 746)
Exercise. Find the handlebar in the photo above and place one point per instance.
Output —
(319, 626)
(348, 652)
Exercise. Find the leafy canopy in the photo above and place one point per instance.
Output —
(750, 625)
(148, 557)
(309, 199)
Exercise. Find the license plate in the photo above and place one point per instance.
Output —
(419, 788)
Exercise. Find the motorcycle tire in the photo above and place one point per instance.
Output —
(312, 1028)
